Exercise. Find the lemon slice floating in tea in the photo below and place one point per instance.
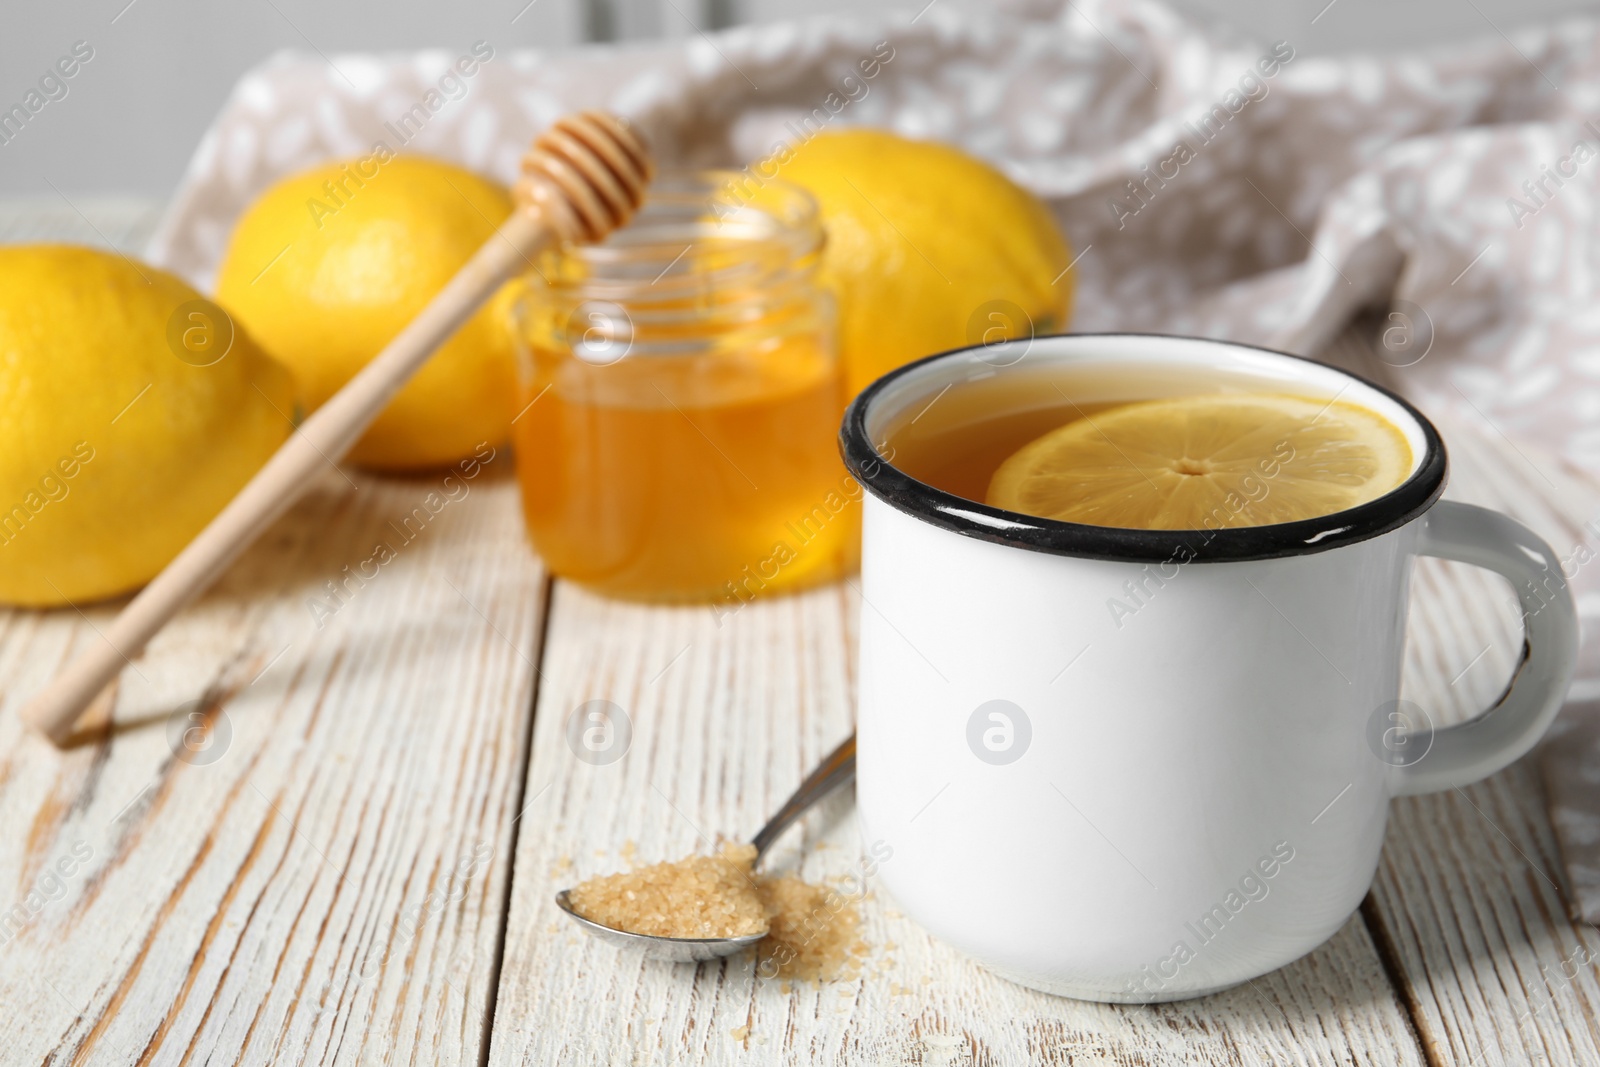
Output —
(1205, 462)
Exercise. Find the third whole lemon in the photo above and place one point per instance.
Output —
(928, 248)
(328, 265)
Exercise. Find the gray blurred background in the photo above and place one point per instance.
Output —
(162, 68)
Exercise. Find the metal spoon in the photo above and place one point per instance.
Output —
(834, 771)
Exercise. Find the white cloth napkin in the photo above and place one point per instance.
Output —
(1211, 185)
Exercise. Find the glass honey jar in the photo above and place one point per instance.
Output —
(680, 399)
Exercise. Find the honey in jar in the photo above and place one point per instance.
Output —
(681, 395)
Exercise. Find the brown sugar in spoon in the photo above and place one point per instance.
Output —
(583, 178)
(837, 769)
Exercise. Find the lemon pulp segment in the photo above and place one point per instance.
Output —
(1205, 462)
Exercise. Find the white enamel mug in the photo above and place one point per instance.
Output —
(1157, 803)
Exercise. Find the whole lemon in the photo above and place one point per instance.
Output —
(132, 411)
(328, 265)
(928, 249)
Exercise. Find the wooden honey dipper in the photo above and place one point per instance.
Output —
(583, 178)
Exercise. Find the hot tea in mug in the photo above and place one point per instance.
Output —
(1151, 452)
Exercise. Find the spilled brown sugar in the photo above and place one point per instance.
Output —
(813, 933)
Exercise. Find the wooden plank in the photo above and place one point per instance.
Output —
(725, 720)
(1469, 903)
(322, 876)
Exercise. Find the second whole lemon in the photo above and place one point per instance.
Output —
(928, 248)
(328, 265)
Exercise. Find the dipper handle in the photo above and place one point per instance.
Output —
(582, 178)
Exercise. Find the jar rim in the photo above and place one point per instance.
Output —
(767, 229)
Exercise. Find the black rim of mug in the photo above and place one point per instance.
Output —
(972, 518)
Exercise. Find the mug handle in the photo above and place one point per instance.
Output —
(1463, 754)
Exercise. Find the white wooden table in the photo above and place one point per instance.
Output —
(357, 867)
